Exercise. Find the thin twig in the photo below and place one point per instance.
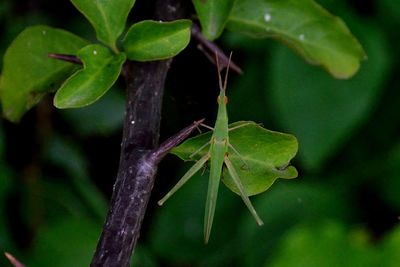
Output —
(210, 49)
(13, 260)
(158, 154)
(65, 57)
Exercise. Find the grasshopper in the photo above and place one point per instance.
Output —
(218, 158)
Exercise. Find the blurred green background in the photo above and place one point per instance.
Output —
(57, 167)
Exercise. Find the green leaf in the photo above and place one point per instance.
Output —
(103, 118)
(390, 11)
(68, 243)
(185, 210)
(107, 17)
(318, 36)
(323, 112)
(267, 155)
(152, 40)
(390, 248)
(285, 205)
(327, 244)
(264, 155)
(70, 159)
(28, 72)
(213, 15)
(101, 70)
(144, 257)
(388, 168)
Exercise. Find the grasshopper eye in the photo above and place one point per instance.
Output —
(225, 100)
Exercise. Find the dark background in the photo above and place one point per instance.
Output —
(57, 167)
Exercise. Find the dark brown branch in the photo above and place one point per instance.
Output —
(123, 224)
(68, 58)
(210, 49)
(139, 154)
(136, 173)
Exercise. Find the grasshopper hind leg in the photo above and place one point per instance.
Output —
(243, 195)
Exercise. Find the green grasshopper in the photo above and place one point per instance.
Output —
(218, 156)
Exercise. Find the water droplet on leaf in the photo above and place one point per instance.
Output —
(267, 17)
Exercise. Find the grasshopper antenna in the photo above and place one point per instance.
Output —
(222, 86)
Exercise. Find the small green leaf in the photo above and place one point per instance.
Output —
(318, 36)
(108, 18)
(101, 70)
(28, 72)
(213, 15)
(264, 155)
(152, 40)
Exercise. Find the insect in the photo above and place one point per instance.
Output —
(218, 157)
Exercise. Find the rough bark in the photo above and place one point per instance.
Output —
(140, 154)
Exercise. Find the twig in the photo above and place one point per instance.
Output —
(68, 58)
(13, 260)
(158, 154)
(210, 49)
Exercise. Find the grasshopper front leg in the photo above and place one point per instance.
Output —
(192, 171)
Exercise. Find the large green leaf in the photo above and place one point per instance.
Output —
(331, 244)
(285, 205)
(264, 155)
(389, 189)
(323, 112)
(107, 17)
(28, 72)
(389, 250)
(68, 243)
(390, 10)
(320, 37)
(326, 244)
(153, 40)
(72, 164)
(213, 15)
(185, 210)
(101, 70)
(105, 117)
